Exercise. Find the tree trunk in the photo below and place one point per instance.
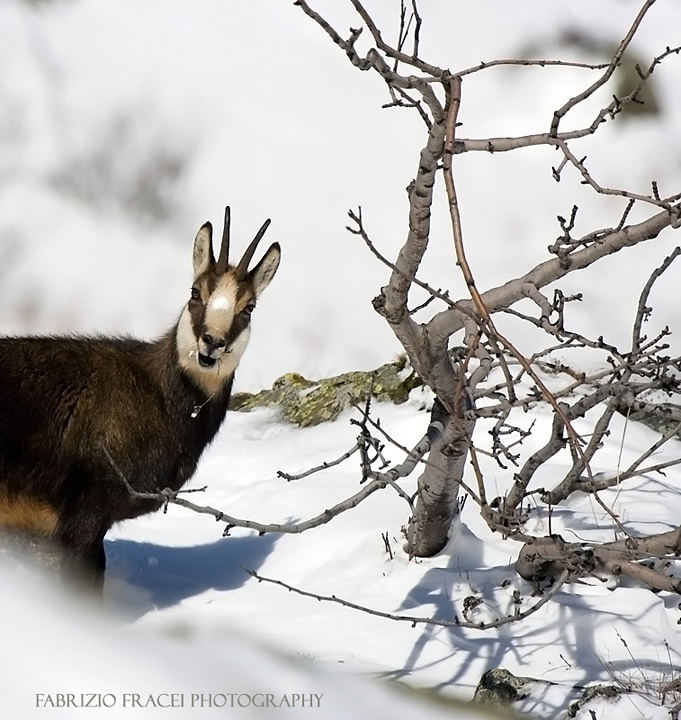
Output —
(438, 488)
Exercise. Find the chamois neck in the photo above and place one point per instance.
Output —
(183, 394)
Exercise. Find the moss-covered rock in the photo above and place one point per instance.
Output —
(664, 418)
(307, 402)
(500, 688)
(591, 692)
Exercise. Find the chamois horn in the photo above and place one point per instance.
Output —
(223, 259)
(242, 268)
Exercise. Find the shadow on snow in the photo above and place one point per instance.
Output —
(571, 623)
(142, 576)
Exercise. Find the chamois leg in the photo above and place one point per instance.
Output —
(84, 563)
(81, 535)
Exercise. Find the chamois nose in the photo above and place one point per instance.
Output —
(212, 343)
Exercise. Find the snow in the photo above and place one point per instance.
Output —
(68, 649)
(179, 599)
(122, 129)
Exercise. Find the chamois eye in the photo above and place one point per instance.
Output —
(249, 308)
(196, 295)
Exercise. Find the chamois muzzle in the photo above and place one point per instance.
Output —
(210, 349)
(207, 361)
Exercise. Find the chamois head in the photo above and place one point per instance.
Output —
(214, 327)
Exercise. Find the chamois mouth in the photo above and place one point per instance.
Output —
(206, 360)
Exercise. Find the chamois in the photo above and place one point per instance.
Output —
(152, 406)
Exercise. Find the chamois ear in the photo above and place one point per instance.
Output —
(202, 256)
(263, 272)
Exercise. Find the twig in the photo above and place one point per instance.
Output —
(643, 298)
(360, 230)
(413, 60)
(416, 620)
(614, 63)
(379, 480)
(521, 62)
(327, 464)
(665, 203)
(505, 144)
(168, 496)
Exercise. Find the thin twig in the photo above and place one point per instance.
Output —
(614, 63)
(521, 62)
(416, 620)
(326, 464)
(360, 230)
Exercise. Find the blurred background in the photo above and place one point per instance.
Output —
(124, 126)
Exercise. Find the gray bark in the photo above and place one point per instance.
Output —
(438, 487)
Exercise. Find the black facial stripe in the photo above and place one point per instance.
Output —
(206, 284)
(241, 322)
(197, 312)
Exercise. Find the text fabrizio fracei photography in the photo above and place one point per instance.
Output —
(177, 700)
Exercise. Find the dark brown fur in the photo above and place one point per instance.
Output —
(64, 399)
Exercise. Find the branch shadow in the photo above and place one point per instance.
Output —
(575, 624)
(142, 576)
(438, 589)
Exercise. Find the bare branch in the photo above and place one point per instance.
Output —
(561, 112)
(379, 480)
(391, 52)
(324, 466)
(643, 299)
(506, 144)
(168, 496)
(522, 62)
(665, 203)
(416, 620)
(446, 324)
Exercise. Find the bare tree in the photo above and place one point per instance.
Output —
(465, 383)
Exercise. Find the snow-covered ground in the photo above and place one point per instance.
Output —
(571, 641)
(183, 615)
(122, 129)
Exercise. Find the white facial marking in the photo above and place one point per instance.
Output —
(221, 302)
(221, 307)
